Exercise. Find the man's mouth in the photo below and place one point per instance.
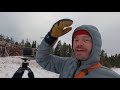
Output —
(80, 50)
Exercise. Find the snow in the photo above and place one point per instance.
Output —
(117, 70)
(9, 65)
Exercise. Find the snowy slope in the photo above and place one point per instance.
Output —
(9, 65)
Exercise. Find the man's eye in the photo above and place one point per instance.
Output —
(76, 39)
(86, 40)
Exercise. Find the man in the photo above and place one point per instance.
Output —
(86, 44)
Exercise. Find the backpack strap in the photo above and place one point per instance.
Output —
(88, 70)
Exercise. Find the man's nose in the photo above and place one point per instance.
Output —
(81, 43)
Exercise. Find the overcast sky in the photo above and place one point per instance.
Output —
(34, 25)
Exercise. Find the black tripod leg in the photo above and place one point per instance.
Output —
(18, 73)
(30, 73)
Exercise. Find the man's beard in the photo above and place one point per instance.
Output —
(80, 50)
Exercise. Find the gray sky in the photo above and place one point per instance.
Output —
(34, 25)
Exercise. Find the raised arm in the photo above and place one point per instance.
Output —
(43, 57)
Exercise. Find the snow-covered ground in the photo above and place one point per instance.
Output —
(9, 65)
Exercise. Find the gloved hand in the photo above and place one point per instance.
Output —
(61, 27)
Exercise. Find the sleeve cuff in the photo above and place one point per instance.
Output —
(49, 39)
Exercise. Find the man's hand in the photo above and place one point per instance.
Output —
(61, 27)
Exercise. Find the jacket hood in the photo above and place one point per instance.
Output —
(97, 43)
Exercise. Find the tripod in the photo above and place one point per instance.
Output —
(19, 73)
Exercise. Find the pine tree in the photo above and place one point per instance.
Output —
(57, 50)
(16, 43)
(118, 59)
(12, 41)
(33, 44)
(63, 50)
(2, 37)
(102, 57)
(70, 50)
(104, 60)
(27, 44)
(7, 39)
(34, 48)
(22, 43)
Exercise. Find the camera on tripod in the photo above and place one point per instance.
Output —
(27, 53)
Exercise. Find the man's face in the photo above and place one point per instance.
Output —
(82, 46)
